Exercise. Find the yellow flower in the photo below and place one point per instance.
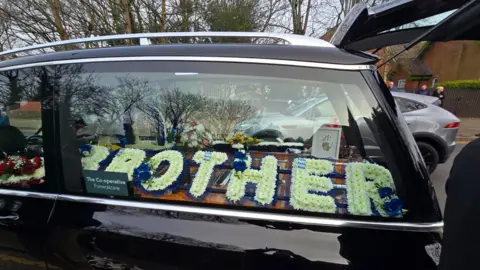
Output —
(238, 137)
(250, 139)
(257, 140)
(242, 141)
(114, 147)
(230, 141)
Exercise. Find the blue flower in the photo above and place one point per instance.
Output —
(142, 167)
(122, 139)
(103, 162)
(144, 175)
(393, 207)
(142, 172)
(240, 155)
(239, 166)
(385, 192)
(85, 148)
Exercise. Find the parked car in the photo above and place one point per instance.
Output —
(67, 204)
(434, 128)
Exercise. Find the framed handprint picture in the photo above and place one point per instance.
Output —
(326, 142)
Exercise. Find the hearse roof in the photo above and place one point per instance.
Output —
(330, 55)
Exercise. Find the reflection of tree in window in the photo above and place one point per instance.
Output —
(221, 116)
(407, 105)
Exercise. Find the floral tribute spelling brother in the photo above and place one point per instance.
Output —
(370, 189)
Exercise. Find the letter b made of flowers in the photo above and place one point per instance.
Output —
(265, 179)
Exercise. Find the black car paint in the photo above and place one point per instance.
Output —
(361, 26)
(71, 234)
(415, 176)
(329, 55)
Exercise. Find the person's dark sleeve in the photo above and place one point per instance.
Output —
(461, 239)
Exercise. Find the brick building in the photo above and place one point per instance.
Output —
(438, 62)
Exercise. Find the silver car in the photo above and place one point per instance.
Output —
(433, 127)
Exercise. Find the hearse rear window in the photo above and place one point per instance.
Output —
(243, 136)
(22, 164)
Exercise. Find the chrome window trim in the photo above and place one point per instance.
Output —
(195, 59)
(318, 221)
(28, 194)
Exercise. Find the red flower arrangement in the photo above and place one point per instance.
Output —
(19, 166)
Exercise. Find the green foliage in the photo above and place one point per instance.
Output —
(419, 78)
(232, 15)
(465, 84)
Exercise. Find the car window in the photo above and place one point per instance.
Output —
(214, 136)
(408, 105)
(323, 109)
(22, 163)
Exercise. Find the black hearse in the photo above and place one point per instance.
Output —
(126, 157)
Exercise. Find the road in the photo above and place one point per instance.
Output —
(440, 175)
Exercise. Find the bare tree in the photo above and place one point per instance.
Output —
(56, 10)
(299, 17)
(179, 107)
(171, 107)
(221, 116)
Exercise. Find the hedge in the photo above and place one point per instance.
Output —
(470, 84)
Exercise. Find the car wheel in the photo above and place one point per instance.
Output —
(430, 155)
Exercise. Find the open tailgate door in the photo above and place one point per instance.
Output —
(366, 29)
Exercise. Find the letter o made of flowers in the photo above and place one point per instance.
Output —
(265, 180)
(308, 175)
(126, 160)
(207, 161)
(174, 171)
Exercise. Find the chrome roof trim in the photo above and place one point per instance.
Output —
(144, 39)
(195, 59)
(318, 221)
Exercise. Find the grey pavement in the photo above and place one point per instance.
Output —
(440, 175)
(469, 127)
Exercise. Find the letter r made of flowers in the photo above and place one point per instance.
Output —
(309, 179)
(380, 188)
(265, 179)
